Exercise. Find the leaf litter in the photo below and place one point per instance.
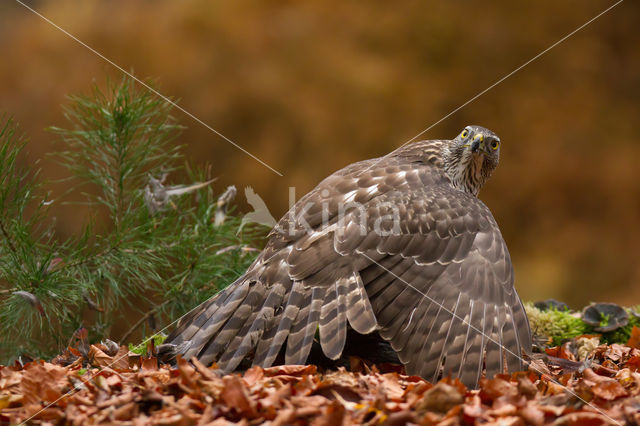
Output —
(107, 384)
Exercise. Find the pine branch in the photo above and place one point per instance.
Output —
(172, 258)
(7, 238)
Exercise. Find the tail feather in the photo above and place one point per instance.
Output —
(471, 363)
(236, 319)
(303, 331)
(247, 339)
(215, 317)
(268, 349)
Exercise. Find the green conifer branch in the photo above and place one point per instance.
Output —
(136, 260)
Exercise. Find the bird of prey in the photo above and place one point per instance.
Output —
(399, 246)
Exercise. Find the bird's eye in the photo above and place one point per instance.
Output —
(494, 145)
(464, 134)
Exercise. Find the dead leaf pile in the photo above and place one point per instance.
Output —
(113, 385)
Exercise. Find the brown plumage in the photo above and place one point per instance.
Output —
(399, 246)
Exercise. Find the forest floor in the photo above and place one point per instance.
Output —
(107, 384)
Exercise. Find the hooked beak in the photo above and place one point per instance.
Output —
(477, 143)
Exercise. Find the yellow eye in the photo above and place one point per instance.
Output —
(464, 134)
(494, 145)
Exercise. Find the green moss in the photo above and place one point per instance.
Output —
(563, 325)
(141, 349)
(604, 319)
(622, 334)
(557, 325)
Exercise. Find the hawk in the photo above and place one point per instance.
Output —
(399, 246)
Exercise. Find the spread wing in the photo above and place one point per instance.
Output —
(411, 257)
(441, 285)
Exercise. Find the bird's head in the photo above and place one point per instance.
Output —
(471, 157)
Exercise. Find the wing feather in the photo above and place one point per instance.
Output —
(268, 349)
(438, 284)
(304, 330)
(471, 363)
(333, 321)
(359, 310)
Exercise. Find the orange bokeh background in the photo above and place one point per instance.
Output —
(311, 86)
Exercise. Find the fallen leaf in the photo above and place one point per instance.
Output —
(235, 395)
(634, 340)
(633, 363)
(440, 398)
(584, 419)
(99, 358)
(492, 389)
(42, 382)
(532, 414)
(526, 387)
(290, 370)
(609, 390)
(333, 415)
(149, 363)
(335, 391)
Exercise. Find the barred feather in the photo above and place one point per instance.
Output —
(438, 284)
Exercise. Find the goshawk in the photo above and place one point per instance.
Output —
(400, 246)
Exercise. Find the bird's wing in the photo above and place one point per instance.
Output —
(275, 302)
(437, 275)
(437, 283)
(441, 283)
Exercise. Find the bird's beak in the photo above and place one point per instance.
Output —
(477, 143)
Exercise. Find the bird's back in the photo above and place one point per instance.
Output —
(386, 245)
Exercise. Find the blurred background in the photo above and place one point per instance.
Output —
(310, 87)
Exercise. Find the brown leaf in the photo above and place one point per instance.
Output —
(584, 418)
(495, 388)
(526, 387)
(391, 386)
(630, 380)
(400, 418)
(207, 373)
(609, 390)
(284, 417)
(532, 414)
(609, 368)
(186, 371)
(332, 415)
(235, 395)
(473, 409)
(125, 412)
(119, 361)
(440, 398)
(591, 377)
(634, 340)
(290, 370)
(149, 363)
(633, 363)
(275, 399)
(560, 352)
(616, 352)
(538, 367)
(340, 392)
(253, 375)
(42, 382)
